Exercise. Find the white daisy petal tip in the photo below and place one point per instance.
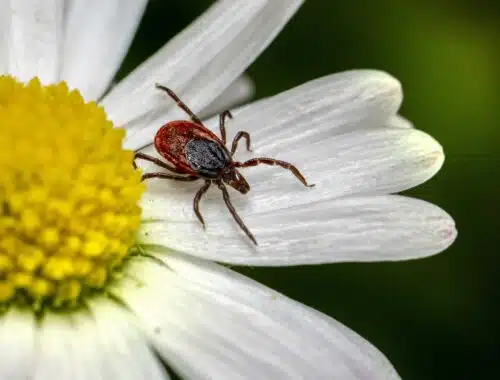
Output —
(427, 155)
(430, 232)
(399, 121)
(447, 231)
(381, 84)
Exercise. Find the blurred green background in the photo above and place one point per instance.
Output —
(435, 318)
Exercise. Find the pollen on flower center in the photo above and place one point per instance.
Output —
(68, 195)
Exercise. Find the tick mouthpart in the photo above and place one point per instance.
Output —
(234, 179)
(243, 188)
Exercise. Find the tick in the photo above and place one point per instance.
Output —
(194, 152)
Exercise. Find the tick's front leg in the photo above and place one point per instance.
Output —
(180, 103)
(272, 162)
(222, 124)
(237, 138)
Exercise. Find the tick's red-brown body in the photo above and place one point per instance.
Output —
(195, 152)
(171, 139)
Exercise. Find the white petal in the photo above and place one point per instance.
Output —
(34, 39)
(4, 36)
(98, 36)
(105, 346)
(370, 228)
(399, 121)
(209, 322)
(17, 345)
(315, 110)
(57, 353)
(373, 161)
(241, 90)
(322, 107)
(126, 350)
(198, 64)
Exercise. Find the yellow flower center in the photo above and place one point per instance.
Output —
(68, 196)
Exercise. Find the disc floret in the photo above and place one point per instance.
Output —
(68, 195)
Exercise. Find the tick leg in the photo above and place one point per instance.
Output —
(169, 176)
(236, 217)
(222, 123)
(154, 160)
(272, 161)
(180, 103)
(237, 138)
(196, 201)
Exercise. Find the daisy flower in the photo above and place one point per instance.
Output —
(105, 277)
